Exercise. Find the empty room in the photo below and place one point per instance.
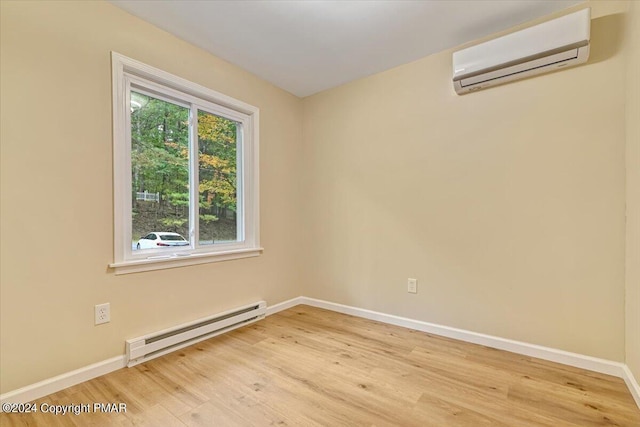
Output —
(320, 213)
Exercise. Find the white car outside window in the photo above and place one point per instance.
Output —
(161, 239)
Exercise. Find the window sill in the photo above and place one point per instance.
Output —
(137, 266)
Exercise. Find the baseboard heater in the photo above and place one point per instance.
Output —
(141, 349)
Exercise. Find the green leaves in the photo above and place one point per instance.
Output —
(208, 218)
(173, 223)
(159, 145)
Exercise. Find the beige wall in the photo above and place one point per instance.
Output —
(57, 211)
(507, 205)
(633, 190)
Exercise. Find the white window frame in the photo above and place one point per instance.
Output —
(128, 73)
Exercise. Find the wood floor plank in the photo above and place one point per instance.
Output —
(311, 367)
(435, 411)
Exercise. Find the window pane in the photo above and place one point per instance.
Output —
(217, 150)
(159, 168)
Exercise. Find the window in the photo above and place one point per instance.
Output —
(185, 171)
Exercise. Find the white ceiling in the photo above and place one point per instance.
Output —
(308, 46)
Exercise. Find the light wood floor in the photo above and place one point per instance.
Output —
(308, 367)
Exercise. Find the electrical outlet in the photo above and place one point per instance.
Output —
(103, 313)
(412, 286)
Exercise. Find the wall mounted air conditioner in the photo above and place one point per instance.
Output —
(562, 42)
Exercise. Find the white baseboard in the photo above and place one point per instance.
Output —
(617, 369)
(273, 309)
(60, 382)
